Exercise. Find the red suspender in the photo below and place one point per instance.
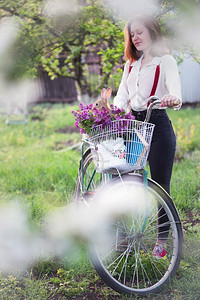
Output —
(157, 73)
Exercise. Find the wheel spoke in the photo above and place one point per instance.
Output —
(129, 265)
(124, 264)
(144, 271)
(152, 263)
(155, 217)
(136, 265)
(121, 257)
(158, 227)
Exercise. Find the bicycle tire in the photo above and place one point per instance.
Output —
(148, 274)
(88, 180)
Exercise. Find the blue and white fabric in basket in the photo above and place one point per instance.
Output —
(111, 154)
(136, 150)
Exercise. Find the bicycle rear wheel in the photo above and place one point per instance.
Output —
(126, 264)
(88, 180)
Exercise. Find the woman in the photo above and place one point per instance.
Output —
(149, 71)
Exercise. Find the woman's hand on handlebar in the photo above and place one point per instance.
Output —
(169, 101)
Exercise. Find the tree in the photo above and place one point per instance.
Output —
(44, 39)
(92, 29)
(59, 42)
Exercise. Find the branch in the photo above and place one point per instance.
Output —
(165, 12)
(38, 19)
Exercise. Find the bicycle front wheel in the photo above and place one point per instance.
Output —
(127, 264)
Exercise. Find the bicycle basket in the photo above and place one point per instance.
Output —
(122, 145)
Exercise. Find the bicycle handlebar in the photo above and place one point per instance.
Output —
(153, 100)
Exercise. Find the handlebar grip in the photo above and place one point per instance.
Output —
(176, 102)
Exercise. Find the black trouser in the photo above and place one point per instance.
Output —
(161, 157)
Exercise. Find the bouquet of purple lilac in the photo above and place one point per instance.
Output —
(88, 117)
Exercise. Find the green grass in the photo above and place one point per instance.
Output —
(186, 124)
(30, 164)
(38, 169)
(185, 188)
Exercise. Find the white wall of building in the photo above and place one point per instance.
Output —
(190, 80)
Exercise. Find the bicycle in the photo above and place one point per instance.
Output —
(127, 264)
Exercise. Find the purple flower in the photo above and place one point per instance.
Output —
(82, 131)
(117, 117)
(87, 118)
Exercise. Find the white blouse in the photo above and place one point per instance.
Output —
(137, 85)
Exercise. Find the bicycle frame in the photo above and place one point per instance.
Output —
(107, 177)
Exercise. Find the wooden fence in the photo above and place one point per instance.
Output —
(61, 89)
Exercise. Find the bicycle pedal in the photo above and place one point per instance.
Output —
(88, 195)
